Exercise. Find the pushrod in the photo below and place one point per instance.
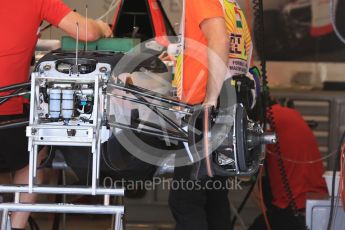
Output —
(148, 132)
(15, 86)
(148, 104)
(163, 116)
(149, 94)
(8, 125)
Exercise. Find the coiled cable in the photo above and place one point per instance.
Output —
(332, 9)
(268, 118)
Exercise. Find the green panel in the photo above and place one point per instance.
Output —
(104, 44)
(68, 44)
(117, 44)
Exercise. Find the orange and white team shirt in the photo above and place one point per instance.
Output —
(241, 46)
(192, 64)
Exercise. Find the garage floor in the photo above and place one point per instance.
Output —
(150, 212)
(101, 223)
(88, 222)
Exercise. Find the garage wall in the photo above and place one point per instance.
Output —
(99, 7)
(303, 75)
(281, 74)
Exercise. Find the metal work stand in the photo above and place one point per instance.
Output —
(57, 134)
(105, 209)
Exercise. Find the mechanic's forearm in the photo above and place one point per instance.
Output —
(94, 31)
(217, 64)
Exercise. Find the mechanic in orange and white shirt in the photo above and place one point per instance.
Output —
(217, 46)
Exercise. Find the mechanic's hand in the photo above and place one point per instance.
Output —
(164, 56)
(105, 28)
(210, 103)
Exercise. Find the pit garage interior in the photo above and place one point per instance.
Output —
(302, 68)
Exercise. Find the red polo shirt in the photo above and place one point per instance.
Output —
(297, 143)
(19, 23)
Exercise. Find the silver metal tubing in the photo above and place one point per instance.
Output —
(35, 165)
(148, 132)
(4, 219)
(94, 170)
(149, 104)
(6, 98)
(106, 200)
(61, 190)
(45, 126)
(153, 125)
(149, 94)
(62, 143)
(69, 79)
(118, 222)
(31, 170)
(77, 47)
(164, 117)
(64, 198)
(95, 145)
(100, 119)
(147, 91)
(63, 208)
(98, 161)
(17, 197)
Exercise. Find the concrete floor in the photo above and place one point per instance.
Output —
(92, 222)
(151, 212)
(87, 222)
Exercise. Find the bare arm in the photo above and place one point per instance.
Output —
(96, 29)
(214, 30)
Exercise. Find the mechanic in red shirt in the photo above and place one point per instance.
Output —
(20, 21)
(298, 146)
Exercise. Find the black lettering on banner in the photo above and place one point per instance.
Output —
(238, 68)
(240, 63)
(235, 42)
